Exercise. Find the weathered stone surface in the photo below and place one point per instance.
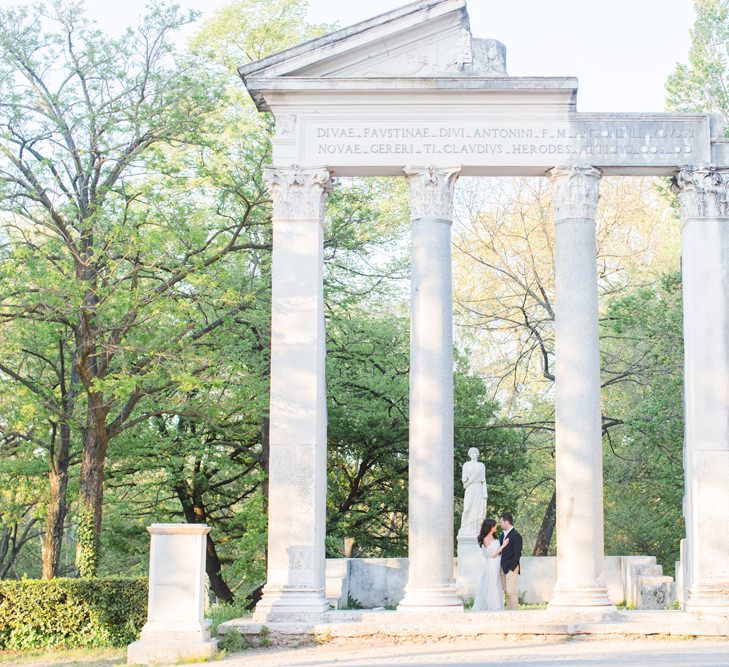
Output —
(656, 592)
(377, 582)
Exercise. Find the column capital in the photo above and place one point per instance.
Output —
(575, 191)
(298, 194)
(431, 191)
(702, 191)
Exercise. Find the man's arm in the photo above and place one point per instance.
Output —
(516, 544)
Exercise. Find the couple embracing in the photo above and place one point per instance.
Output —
(500, 567)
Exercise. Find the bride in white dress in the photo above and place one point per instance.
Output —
(489, 594)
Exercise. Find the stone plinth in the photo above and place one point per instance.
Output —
(470, 565)
(656, 592)
(176, 628)
(337, 582)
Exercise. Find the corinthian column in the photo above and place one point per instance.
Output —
(295, 579)
(705, 276)
(578, 445)
(430, 547)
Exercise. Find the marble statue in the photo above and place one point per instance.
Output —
(475, 495)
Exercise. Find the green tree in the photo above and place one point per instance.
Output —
(90, 132)
(702, 84)
(644, 462)
(246, 30)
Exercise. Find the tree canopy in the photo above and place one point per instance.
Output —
(135, 274)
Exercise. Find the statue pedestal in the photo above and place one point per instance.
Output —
(470, 564)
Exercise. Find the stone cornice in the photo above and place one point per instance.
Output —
(702, 191)
(298, 194)
(576, 191)
(431, 191)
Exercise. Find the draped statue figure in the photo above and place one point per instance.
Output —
(475, 495)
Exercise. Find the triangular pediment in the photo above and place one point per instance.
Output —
(423, 39)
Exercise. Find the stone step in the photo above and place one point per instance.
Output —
(418, 626)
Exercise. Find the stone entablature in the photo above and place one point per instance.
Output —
(415, 87)
(491, 141)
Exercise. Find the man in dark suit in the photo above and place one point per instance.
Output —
(510, 555)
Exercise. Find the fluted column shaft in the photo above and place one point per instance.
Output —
(295, 582)
(578, 440)
(430, 573)
(703, 193)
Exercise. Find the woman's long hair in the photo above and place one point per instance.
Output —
(486, 527)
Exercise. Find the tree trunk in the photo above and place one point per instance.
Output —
(58, 478)
(546, 530)
(195, 512)
(91, 498)
(213, 567)
(95, 437)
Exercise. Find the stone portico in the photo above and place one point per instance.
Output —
(411, 93)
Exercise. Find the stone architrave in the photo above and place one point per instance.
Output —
(295, 581)
(704, 197)
(430, 514)
(578, 441)
(475, 498)
(176, 627)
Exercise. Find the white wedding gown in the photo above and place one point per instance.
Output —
(489, 594)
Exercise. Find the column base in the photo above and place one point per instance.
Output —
(592, 599)
(708, 598)
(435, 598)
(291, 604)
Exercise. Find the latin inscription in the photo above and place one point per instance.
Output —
(596, 141)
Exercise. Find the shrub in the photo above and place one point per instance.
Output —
(225, 611)
(36, 613)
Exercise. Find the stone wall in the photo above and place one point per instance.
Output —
(380, 582)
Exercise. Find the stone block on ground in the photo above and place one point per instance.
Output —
(656, 592)
(176, 628)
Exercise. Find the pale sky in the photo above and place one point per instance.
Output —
(621, 50)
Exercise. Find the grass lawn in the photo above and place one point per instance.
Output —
(90, 657)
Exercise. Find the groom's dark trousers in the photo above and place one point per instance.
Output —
(510, 569)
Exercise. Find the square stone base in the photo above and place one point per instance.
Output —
(288, 604)
(149, 652)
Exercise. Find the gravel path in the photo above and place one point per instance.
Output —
(573, 653)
